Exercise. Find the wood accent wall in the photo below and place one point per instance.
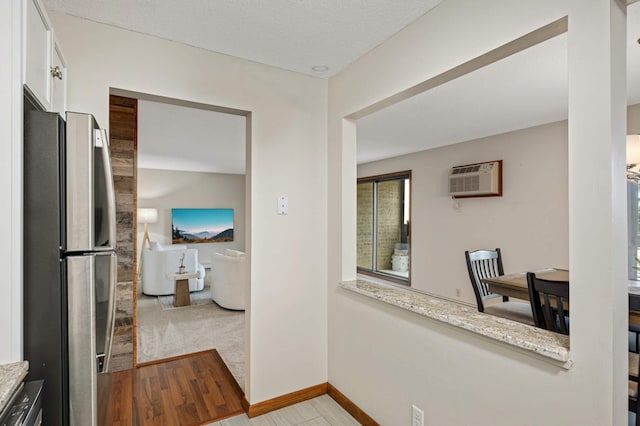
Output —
(123, 135)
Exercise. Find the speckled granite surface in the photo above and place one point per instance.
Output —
(545, 343)
(11, 376)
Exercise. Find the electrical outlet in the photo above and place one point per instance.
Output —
(458, 292)
(283, 205)
(417, 416)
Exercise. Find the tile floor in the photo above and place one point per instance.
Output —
(320, 411)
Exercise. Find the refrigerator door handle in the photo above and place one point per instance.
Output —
(103, 141)
(103, 359)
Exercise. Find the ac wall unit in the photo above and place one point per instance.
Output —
(476, 180)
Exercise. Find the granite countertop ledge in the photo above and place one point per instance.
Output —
(11, 375)
(552, 346)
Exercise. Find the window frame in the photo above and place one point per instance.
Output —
(375, 179)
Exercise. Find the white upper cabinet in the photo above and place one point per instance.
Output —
(37, 55)
(44, 71)
(58, 81)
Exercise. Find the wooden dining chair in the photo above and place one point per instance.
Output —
(634, 366)
(483, 264)
(549, 303)
(634, 330)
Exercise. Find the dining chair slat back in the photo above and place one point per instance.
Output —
(634, 330)
(634, 365)
(549, 303)
(483, 264)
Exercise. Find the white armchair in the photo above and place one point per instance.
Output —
(160, 261)
(229, 279)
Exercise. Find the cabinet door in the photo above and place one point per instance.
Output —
(58, 81)
(37, 54)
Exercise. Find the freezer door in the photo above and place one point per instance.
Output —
(44, 283)
(91, 292)
(90, 195)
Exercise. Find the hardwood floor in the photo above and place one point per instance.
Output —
(194, 389)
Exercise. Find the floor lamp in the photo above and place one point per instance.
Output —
(146, 216)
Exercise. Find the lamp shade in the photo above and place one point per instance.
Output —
(147, 215)
(633, 149)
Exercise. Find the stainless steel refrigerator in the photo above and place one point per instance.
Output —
(69, 260)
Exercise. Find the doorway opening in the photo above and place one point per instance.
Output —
(173, 154)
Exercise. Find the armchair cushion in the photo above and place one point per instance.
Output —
(157, 246)
(157, 264)
(229, 279)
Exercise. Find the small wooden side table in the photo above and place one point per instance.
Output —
(181, 290)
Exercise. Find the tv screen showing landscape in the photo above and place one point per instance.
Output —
(191, 226)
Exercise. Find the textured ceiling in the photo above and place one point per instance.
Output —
(290, 34)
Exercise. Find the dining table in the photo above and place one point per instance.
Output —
(515, 285)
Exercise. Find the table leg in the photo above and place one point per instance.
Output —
(181, 294)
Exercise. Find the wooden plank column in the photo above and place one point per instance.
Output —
(123, 134)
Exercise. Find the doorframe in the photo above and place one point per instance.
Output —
(248, 126)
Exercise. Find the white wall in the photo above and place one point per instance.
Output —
(386, 359)
(167, 189)
(11, 178)
(529, 222)
(287, 314)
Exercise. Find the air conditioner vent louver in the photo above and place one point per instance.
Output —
(474, 180)
(465, 184)
(465, 169)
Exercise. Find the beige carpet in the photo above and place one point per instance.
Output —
(197, 298)
(164, 333)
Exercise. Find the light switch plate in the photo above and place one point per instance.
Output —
(417, 416)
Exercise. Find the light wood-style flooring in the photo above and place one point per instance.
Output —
(194, 389)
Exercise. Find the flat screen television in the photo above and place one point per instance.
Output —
(192, 226)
